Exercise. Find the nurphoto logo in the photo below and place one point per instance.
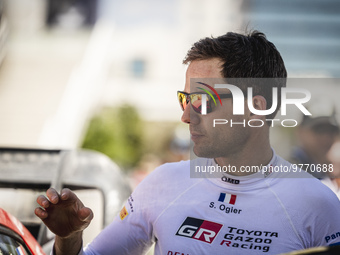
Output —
(238, 98)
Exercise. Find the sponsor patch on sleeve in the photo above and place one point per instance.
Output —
(123, 213)
(334, 236)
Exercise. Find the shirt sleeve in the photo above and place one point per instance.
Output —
(319, 219)
(327, 221)
(312, 210)
(128, 234)
(131, 232)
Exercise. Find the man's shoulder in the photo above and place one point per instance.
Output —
(299, 184)
(172, 169)
(172, 172)
(164, 184)
(178, 170)
(304, 191)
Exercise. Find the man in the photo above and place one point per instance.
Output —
(236, 212)
(332, 180)
(316, 136)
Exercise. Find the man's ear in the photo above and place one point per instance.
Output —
(259, 103)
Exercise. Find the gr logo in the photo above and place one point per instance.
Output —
(198, 229)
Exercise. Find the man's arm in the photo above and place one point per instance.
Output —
(66, 216)
(69, 245)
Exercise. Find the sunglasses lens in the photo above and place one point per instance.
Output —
(182, 98)
(195, 100)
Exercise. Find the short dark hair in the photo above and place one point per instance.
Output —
(245, 56)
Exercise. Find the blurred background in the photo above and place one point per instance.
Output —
(103, 74)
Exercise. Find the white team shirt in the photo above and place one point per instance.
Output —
(256, 214)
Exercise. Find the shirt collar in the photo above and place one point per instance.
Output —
(222, 176)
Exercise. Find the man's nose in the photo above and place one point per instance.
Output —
(189, 115)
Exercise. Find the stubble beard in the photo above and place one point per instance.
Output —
(225, 146)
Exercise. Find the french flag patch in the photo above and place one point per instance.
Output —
(227, 198)
(20, 251)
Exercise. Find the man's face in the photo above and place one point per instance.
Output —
(221, 140)
(318, 140)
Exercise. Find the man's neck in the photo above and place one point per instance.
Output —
(251, 156)
(315, 155)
